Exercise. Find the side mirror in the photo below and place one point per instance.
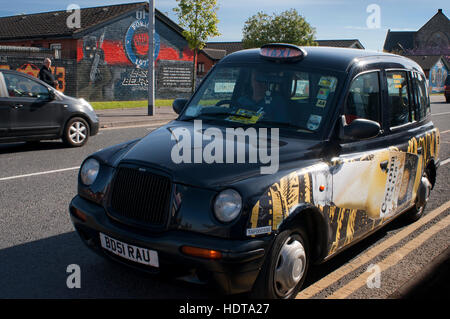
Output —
(51, 95)
(178, 105)
(359, 129)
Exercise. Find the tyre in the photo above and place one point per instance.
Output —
(417, 210)
(285, 268)
(76, 132)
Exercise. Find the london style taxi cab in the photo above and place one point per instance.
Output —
(351, 147)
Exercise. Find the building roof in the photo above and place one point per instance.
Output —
(214, 54)
(439, 17)
(228, 47)
(344, 43)
(403, 40)
(428, 61)
(54, 24)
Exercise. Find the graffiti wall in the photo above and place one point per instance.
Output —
(63, 70)
(438, 74)
(112, 61)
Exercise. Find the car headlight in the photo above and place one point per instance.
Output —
(228, 205)
(89, 171)
(87, 104)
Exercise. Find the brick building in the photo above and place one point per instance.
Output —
(106, 58)
(429, 47)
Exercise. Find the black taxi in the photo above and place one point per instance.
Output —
(282, 158)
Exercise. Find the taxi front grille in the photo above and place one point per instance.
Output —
(140, 198)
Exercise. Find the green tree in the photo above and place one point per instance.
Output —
(199, 19)
(288, 27)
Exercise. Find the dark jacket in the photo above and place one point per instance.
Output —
(47, 76)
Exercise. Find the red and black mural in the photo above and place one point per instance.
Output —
(63, 70)
(112, 62)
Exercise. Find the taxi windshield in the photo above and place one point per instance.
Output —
(266, 94)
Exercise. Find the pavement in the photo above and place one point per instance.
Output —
(135, 117)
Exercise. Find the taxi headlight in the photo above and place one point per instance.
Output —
(89, 171)
(228, 205)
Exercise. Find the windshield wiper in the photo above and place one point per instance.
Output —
(284, 125)
(212, 114)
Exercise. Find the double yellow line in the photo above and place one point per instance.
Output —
(386, 263)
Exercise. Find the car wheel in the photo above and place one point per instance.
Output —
(285, 268)
(76, 132)
(417, 210)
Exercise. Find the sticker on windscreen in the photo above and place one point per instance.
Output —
(245, 116)
(314, 122)
(321, 103)
(323, 94)
(328, 82)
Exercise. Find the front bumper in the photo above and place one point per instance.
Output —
(235, 272)
(94, 128)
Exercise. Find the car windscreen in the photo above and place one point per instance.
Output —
(266, 94)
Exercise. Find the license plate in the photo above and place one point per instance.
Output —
(137, 254)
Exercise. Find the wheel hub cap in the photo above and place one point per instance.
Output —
(290, 267)
(77, 132)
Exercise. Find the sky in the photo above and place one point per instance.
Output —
(332, 19)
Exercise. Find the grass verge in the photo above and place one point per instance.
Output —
(128, 104)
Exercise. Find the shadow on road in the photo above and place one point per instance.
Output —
(38, 270)
(10, 148)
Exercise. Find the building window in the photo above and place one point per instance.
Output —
(201, 68)
(56, 47)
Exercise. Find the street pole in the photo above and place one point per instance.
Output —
(151, 58)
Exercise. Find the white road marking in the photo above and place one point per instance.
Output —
(440, 113)
(445, 162)
(152, 126)
(39, 173)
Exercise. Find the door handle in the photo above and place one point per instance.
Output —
(384, 165)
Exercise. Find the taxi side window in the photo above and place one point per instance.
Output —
(421, 94)
(363, 99)
(398, 97)
(20, 86)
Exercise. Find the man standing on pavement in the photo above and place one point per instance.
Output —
(45, 74)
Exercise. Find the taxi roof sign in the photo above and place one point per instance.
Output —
(282, 52)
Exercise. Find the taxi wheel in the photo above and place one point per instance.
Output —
(285, 268)
(417, 210)
(76, 132)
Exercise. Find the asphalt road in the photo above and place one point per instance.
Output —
(38, 242)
